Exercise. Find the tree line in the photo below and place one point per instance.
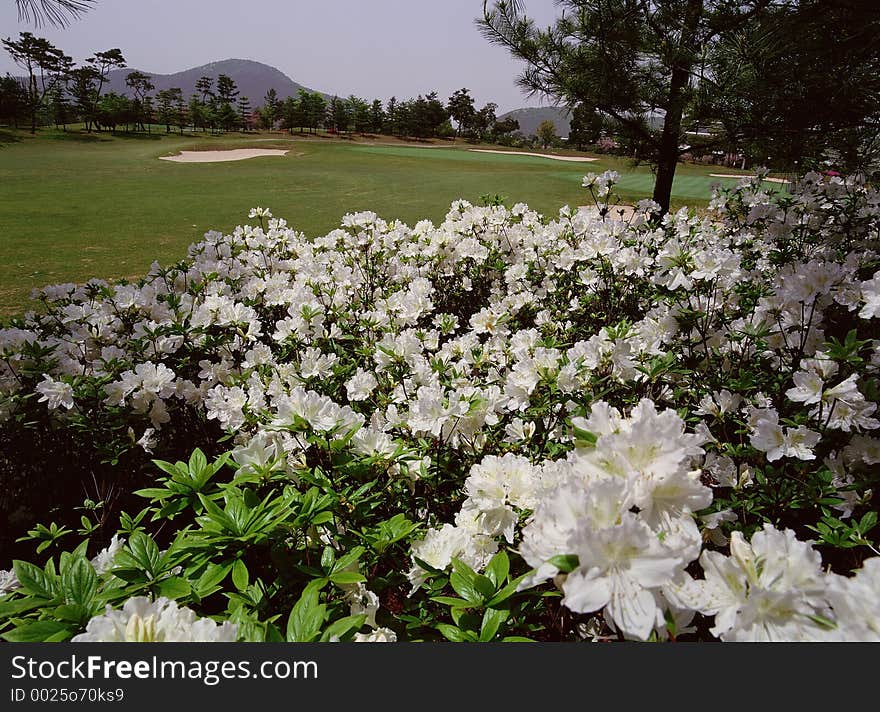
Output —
(53, 90)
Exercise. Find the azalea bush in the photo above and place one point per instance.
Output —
(504, 427)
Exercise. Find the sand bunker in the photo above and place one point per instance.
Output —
(578, 159)
(740, 175)
(234, 154)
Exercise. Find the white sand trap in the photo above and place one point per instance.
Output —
(234, 154)
(741, 175)
(578, 159)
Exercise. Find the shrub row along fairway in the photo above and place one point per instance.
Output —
(76, 206)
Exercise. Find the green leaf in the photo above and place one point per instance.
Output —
(566, 563)
(328, 557)
(456, 635)
(211, 578)
(465, 588)
(80, 583)
(74, 613)
(485, 587)
(343, 627)
(306, 617)
(584, 437)
(452, 601)
(153, 493)
(197, 462)
(19, 606)
(498, 568)
(168, 468)
(37, 632)
(34, 580)
(347, 559)
(240, 575)
(143, 550)
(344, 578)
(508, 590)
(492, 620)
(322, 518)
(175, 587)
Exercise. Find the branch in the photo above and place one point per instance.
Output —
(54, 12)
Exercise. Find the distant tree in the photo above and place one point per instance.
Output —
(199, 113)
(54, 12)
(181, 117)
(166, 101)
(226, 93)
(291, 113)
(392, 119)
(13, 100)
(271, 109)
(436, 113)
(226, 117)
(227, 90)
(546, 133)
(417, 120)
(140, 85)
(505, 126)
(406, 118)
(461, 109)
(204, 86)
(360, 114)
(338, 114)
(202, 104)
(244, 113)
(315, 111)
(59, 105)
(114, 110)
(82, 83)
(377, 116)
(585, 126)
(103, 63)
(502, 131)
(147, 111)
(46, 67)
(483, 121)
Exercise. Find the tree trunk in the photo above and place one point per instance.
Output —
(34, 105)
(667, 154)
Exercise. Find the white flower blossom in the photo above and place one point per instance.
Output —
(161, 621)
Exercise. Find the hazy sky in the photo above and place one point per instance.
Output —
(372, 48)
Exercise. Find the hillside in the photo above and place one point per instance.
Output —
(529, 119)
(253, 79)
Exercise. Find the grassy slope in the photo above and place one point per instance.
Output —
(74, 207)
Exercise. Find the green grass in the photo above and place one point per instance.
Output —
(75, 206)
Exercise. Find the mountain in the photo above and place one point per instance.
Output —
(530, 118)
(253, 79)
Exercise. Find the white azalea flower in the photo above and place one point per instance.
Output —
(161, 621)
(103, 560)
(619, 566)
(55, 394)
(769, 589)
(8, 582)
(856, 602)
(380, 635)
